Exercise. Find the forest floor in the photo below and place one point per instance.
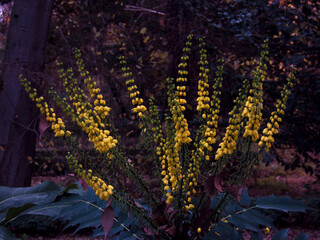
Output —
(266, 181)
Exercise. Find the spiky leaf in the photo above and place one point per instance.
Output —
(250, 220)
(282, 203)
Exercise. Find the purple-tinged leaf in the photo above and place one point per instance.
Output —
(107, 219)
(218, 183)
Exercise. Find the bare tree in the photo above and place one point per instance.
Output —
(25, 53)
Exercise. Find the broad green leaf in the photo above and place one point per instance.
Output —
(302, 236)
(13, 212)
(74, 188)
(85, 218)
(236, 235)
(44, 193)
(245, 199)
(98, 232)
(250, 220)
(220, 231)
(281, 235)
(117, 227)
(85, 212)
(91, 223)
(54, 209)
(2, 216)
(281, 203)
(6, 234)
(255, 236)
(232, 207)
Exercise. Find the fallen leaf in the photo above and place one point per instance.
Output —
(143, 30)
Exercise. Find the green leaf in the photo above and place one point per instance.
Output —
(302, 236)
(220, 231)
(281, 235)
(6, 234)
(250, 220)
(98, 232)
(13, 212)
(255, 236)
(281, 203)
(73, 188)
(44, 193)
(54, 209)
(245, 199)
(86, 212)
(85, 218)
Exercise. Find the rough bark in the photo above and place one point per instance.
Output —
(25, 53)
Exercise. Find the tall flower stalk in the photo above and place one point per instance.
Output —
(185, 156)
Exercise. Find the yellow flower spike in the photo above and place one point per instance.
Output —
(105, 196)
(267, 138)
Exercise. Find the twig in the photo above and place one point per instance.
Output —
(142, 9)
(66, 41)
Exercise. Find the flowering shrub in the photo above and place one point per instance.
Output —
(189, 165)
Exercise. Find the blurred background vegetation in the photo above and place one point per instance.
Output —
(151, 35)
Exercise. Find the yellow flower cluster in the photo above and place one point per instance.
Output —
(100, 104)
(183, 74)
(254, 103)
(136, 100)
(181, 125)
(102, 190)
(209, 115)
(172, 172)
(63, 104)
(168, 155)
(169, 162)
(177, 135)
(252, 111)
(57, 124)
(272, 127)
(178, 105)
(161, 147)
(229, 141)
(203, 93)
(212, 118)
(192, 177)
(155, 121)
(87, 117)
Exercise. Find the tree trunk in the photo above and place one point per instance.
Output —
(25, 53)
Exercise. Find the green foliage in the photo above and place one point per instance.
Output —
(84, 209)
(6, 234)
(188, 168)
(71, 205)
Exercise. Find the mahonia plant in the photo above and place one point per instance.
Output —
(186, 158)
